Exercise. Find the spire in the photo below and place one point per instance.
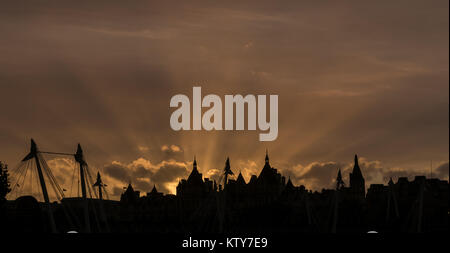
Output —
(195, 175)
(289, 187)
(356, 170)
(289, 182)
(267, 169)
(154, 189)
(194, 164)
(357, 182)
(129, 188)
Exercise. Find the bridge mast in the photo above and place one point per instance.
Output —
(80, 160)
(34, 154)
(227, 171)
(99, 184)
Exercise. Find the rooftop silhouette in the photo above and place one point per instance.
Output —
(268, 202)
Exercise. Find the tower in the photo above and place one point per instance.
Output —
(193, 187)
(357, 183)
(269, 183)
(195, 177)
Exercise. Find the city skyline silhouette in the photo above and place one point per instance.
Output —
(117, 184)
(234, 205)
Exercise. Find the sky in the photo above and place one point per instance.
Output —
(353, 77)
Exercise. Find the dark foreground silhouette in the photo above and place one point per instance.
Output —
(267, 203)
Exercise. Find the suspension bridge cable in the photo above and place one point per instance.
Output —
(37, 183)
(50, 181)
(89, 177)
(58, 191)
(73, 177)
(22, 177)
(17, 173)
(105, 191)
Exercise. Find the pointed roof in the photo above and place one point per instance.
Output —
(240, 179)
(194, 167)
(267, 171)
(289, 188)
(195, 175)
(289, 183)
(356, 170)
(129, 188)
(154, 189)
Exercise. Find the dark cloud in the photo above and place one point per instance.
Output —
(143, 174)
(315, 175)
(172, 152)
(169, 172)
(216, 175)
(142, 185)
(118, 171)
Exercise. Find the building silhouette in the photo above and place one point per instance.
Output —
(357, 182)
(266, 203)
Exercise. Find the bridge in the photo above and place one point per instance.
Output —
(35, 164)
